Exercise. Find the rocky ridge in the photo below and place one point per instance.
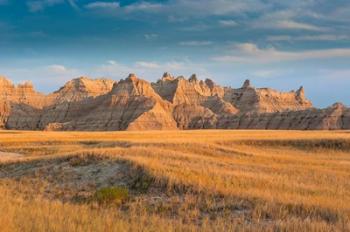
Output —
(170, 103)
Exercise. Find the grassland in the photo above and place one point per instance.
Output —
(176, 181)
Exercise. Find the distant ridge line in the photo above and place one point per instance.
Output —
(171, 103)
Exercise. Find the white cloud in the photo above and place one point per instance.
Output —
(148, 69)
(103, 5)
(291, 17)
(182, 9)
(46, 78)
(340, 13)
(151, 36)
(292, 25)
(143, 6)
(58, 72)
(147, 65)
(111, 62)
(270, 73)
(228, 23)
(58, 69)
(51, 77)
(73, 4)
(323, 37)
(279, 38)
(176, 19)
(116, 9)
(264, 73)
(217, 7)
(196, 27)
(284, 21)
(112, 69)
(248, 52)
(40, 5)
(195, 43)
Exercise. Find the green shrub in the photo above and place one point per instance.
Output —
(142, 183)
(111, 195)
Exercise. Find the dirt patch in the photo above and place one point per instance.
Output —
(106, 144)
(76, 178)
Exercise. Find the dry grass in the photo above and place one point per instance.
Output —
(178, 181)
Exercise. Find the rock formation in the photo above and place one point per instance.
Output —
(169, 104)
(80, 88)
(19, 102)
(267, 100)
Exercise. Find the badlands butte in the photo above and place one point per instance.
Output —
(169, 104)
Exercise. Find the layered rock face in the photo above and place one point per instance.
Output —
(250, 99)
(195, 104)
(131, 104)
(21, 103)
(72, 101)
(30, 110)
(336, 117)
(169, 104)
(80, 88)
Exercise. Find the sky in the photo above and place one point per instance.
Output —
(274, 43)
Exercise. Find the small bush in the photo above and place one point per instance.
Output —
(142, 183)
(111, 195)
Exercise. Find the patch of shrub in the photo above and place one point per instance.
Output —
(142, 183)
(83, 159)
(90, 142)
(111, 195)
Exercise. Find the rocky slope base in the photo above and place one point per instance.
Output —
(169, 104)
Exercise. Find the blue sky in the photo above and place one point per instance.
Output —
(279, 44)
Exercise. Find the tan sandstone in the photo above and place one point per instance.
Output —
(169, 104)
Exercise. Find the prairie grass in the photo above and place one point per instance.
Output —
(216, 180)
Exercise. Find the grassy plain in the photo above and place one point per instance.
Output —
(216, 180)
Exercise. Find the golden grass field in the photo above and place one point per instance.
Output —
(216, 180)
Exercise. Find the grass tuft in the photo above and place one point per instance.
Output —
(111, 195)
